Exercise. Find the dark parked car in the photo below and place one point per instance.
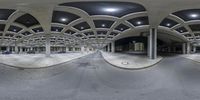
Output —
(6, 52)
(62, 52)
(31, 52)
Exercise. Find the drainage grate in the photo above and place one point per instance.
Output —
(124, 62)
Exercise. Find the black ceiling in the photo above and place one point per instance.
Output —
(181, 30)
(2, 27)
(195, 27)
(103, 23)
(63, 17)
(26, 33)
(39, 29)
(110, 37)
(79, 35)
(5, 13)
(27, 20)
(168, 23)
(88, 33)
(92, 37)
(102, 32)
(187, 35)
(82, 26)
(84, 38)
(186, 14)
(9, 35)
(101, 37)
(197, 34)
(117, 9)
(114, 33)
(121, 27)
(56, 29)
(18, 36)
(14, 29)
(141, 20)
(70, 32)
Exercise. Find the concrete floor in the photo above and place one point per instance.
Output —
(127, 61)
(91, 78)
(39, 60)
(194, 57)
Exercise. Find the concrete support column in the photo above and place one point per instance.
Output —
(67, 49)
(74, 49)
(8, 48)
(152, 43)
(48, 46)
(16, 49)
(31, 48)
(82, 49)
(184, 48)
(188, 48)
(20, 49)
(113, 47)
(194, 49)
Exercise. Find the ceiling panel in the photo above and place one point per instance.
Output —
(117, 9)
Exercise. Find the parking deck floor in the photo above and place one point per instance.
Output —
(91, 78)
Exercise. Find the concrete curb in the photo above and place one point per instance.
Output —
(191, 59)
(22, 68)
(132, 68)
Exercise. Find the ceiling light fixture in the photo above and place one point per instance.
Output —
(194, 15)
(139, 22)
(168, 24)
(63, 19)
(103, 25)
(110, 9)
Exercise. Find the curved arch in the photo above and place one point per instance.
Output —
(185, 23)
(11, 21)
